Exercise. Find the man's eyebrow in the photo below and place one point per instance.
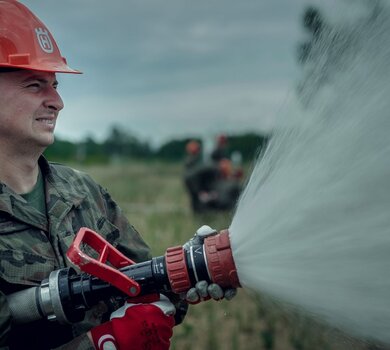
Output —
(40, 79)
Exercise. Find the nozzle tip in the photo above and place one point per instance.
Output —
(220, 261)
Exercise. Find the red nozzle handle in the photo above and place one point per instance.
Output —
(89, 239)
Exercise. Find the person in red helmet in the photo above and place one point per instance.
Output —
(193, 154)
(43, 204)
(38, 200)
(220, 150)
(199, 177)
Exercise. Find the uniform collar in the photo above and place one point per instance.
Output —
(60, 198)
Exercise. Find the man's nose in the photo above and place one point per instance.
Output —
(54, 100)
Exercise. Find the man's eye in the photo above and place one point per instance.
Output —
(34, 85)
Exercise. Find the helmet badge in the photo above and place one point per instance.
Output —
(44, 40)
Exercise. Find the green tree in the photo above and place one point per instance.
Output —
(249, 145)
(123, 144)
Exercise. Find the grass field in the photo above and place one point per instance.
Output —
(154, 199)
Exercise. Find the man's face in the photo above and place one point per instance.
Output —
(29, 107)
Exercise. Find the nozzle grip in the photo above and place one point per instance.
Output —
(98, 267)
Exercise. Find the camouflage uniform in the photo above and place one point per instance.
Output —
(32, 245)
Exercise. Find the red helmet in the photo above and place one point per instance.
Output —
(26, 43)
(193, 147)
(222, 140)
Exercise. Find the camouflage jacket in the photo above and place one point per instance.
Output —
(32, 245)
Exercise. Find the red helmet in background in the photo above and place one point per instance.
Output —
(26, 43)
(193, 147)
(222, 140)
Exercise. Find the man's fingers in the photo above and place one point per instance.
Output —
(215, 291)
(204, 291)
(201, 288)
(230, 293)
(192, 296)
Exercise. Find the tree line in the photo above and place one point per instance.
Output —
(122, 145)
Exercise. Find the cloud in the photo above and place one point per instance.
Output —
(184, 66)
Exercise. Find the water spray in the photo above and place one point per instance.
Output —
(66, 295)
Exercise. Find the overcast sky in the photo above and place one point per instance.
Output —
(173, 68)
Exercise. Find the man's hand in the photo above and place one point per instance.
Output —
(202, 233)
(137, 326)
(203, 290)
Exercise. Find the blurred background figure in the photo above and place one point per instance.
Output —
(214, 184)
(221, 148)
(199, 177)
(193, 154)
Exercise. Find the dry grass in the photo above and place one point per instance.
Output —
(154, 199)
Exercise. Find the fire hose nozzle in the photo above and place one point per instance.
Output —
(67, 295)
(209, 259)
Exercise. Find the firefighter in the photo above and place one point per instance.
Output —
(42, 204)
(220, 150)
(226, 184)
(193, 154)
(199, 178)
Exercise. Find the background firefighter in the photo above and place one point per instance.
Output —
(212, 184)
